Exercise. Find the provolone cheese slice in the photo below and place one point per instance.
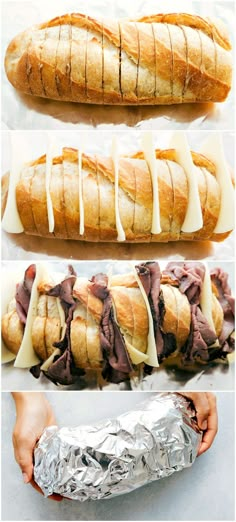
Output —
(213, 149)
(6, 355)
(19, 153)
(136, 356)
(81, 201)
(51, 152)
(26, 356)
(193, 219)
(150, 157)
(206, 298)
(49, 361)
(151, 349)
(115, 159)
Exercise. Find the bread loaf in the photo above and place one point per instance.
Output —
(101, 209)
(159, 59)
(114, 324)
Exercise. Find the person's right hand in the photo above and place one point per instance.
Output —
(33, 414)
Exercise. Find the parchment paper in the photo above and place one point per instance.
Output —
(22, 246)
(212, 377)
(21, 111)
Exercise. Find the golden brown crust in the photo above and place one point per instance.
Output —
(160, 59)
(135, 197)
(130, 313)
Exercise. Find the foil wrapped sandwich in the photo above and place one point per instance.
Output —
(116, 456)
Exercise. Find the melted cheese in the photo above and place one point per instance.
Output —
(115, 159)
(213, 149)
(151, 349)
(206, 298)
(193, 219)
(11, 221)
(81, 201)
(6, 355)
(150, 157)
(49, 361)
(136, 356)
(26, 356)
(49, 159)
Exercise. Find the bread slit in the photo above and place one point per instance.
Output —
(56, 193)
(34, 51)
(94, 65)
(78, 62)
(146, 63)
(28, 66)
(64, 61)
(48, 57)
(172, 65)
(24, 200)
(71, 192)
(39, 200)
(180, 185)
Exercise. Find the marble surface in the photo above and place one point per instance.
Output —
(198, 493)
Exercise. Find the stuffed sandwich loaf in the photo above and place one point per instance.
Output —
(152, 196)
(115, 324)
(159, 59)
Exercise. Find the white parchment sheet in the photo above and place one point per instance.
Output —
(23, 246)
(216, 376)
(20, 111)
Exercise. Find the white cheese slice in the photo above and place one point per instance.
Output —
(49, 361)
(206, 298)
(150, 157)
(136, 356)
(213, 149)
(26, 356)
(151, 349)
(11, 221)
(51, 152)
(81, 201)
(115, 159)
(6, 355)
(193, 219)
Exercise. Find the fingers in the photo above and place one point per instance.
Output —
(202, 407)
(212, 425)
(55, 497)
(23, 449)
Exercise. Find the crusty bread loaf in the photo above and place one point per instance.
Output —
(135, 198)
(130, 313)
(160, 59)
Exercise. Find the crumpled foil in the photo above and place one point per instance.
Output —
(118, 455)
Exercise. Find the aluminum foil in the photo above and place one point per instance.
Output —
(22, 246)
(116, 456)
(20, 111)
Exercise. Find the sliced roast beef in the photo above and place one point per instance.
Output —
(190, 277)
(150, 277)
(63, 370)
(200, 338)
(23, 293)
(220, 281)
(116, 361)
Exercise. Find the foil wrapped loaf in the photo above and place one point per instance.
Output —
(118, 455)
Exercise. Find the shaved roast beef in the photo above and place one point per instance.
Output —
(23, 293)
(190, 277)
(116, 361)
(227, 301)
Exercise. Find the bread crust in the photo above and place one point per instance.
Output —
(130, 313)
(159, 59)
(135, 198)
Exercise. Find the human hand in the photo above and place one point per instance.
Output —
(33, 414)
(207, 418)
